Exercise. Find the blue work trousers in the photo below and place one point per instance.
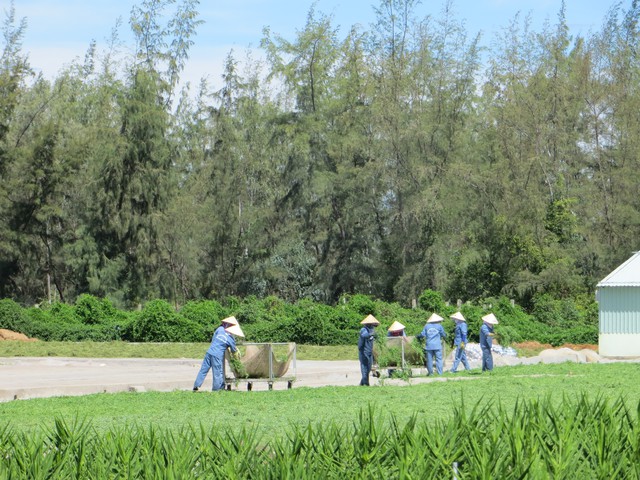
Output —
(216, 364)
(487, 360)
(366, 362)
(438, 355)
(460, 356)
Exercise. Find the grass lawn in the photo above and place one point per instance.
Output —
(151, 350)
(118, 349)
(272, 413)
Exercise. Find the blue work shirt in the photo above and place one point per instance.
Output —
(460, 334)
(220, 341)
(432, 332)
(485, 338)
(365, 342)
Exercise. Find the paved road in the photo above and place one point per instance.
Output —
(24, 377)
(27, 377)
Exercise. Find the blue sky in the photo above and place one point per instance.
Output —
(60, 30)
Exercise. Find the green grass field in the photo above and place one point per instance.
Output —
(151, 350)
(535, 422)
(272, 412)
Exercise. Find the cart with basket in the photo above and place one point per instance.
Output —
(262, 362)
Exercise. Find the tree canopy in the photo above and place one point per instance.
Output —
(385, 162)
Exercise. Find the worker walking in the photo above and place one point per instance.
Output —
(223, 338)
(460, 342)
(433, 332)
(486, 340)
(365, 347)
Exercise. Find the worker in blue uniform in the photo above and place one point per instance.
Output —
(486, 340)
(365, 347)
(223, 338)
(460, 342)
(433, 333)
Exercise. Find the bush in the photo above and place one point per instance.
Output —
(344, 318)
(507, 335)
(362, 305)
(273, 320)
(251, 310)
(555, 312)
(61, 313)
(159, 322)
(577, 335)
(432, 301)
(13, 317)
(269, 332)
(313, 324)
(206, 313)
(94, 311)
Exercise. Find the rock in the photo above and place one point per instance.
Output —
(561, 355)
(590, 355)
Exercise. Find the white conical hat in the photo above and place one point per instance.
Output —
(370, 320)
(230, 321)
(396, 327)
(458, 316)
(235, 330)
(490, 319)
(435, 318)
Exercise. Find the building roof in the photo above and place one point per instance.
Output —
(626, 275)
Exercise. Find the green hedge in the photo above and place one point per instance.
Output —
(270, 319)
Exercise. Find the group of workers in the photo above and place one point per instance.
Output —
(433, 333)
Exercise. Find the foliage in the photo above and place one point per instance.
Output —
(238, 368)
(390, 163)
(312, 324)
(554, 321)
(159, 322)
(533, 438)
(363, 305)
(391, 355)
(13, 317)
(206, 313)
(91, 310)
(431, 301)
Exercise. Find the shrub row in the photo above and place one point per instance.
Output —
(272, 320)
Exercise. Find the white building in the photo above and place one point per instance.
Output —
(618, 297)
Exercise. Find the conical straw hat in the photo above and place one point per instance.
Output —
(490, 319)
(435, 318)
(230, 321)
(370, 320)
(396, 327)
(458, 316)
(235, 330)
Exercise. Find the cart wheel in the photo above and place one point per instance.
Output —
(228, 387)
(249, 386)
(270, 385)
(289, 384)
